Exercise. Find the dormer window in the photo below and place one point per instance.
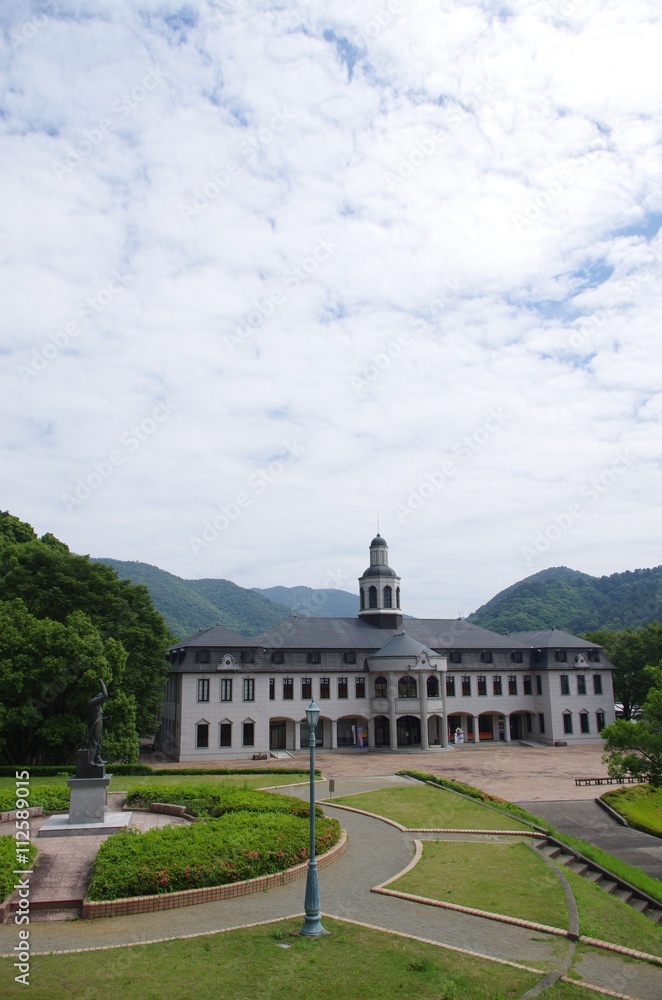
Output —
(314, 656)
(561, 656)
(202, 656)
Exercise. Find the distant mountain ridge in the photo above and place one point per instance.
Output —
(324, 603)
(575, 602)
(189, 605)
(559, 597)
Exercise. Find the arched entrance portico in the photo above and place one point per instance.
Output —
(409, 731)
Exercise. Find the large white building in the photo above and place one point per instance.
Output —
(381, 682)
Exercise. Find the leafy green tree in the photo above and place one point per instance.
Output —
(126, 646)
(630, 650)
(635, 748)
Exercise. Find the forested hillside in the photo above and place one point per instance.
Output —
(323, 603)
(189, 605)
(65, 622)
(575, 602)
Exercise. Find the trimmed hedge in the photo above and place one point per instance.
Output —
(234, 847)
(209, 802)
(54, 798)
(8, 864)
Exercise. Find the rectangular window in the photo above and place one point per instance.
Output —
(565, 684)
(486, 656)
(342, 687)
(482, 684)
(325, 687)
(314, 657)
(202, 735)
(225, 735)
(272, 689)
(248, 734)
(456, 656)
(600, 721)
(516, 656)
(526, 681)
(278, 656)
(567, 723)
(226, 689)
(350, 656)
(496, 684)
(581, 684)
(538, 685)
(561, 656)
(249, 689)
(541, 722)
(203, 689)
(360, 687)
(450, 686)
(583, 722)
(288, 689)
(597, 683)
(306, 687)
(594, 655)
(466, 685)
(202, 656)
(512, 684)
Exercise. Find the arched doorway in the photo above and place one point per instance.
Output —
(409, 731)
(382, 731)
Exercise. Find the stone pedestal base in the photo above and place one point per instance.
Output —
(88, 800)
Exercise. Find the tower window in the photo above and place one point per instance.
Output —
(372, 597)
(362, 599)
(397, 597)
(388, 597)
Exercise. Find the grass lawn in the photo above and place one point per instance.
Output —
(604, 917)
(425, 807)
(349, 962)
(121, 782)
(501, 878)
(568, 991)
(640, 805)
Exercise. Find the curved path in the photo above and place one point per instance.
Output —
(376, 852)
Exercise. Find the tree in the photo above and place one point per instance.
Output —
(635, 748)
(68, 622)
(630, 650)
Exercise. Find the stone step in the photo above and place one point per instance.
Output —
(639, 904)
(566, 859)
(653, 914)
(593, 876)
(608, 885)
(579, 867)
(625, 895)
(550, 850)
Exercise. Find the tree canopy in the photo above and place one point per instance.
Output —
(65, 622)
(635, 748)
(631, 650)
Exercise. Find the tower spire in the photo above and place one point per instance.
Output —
(379, 589)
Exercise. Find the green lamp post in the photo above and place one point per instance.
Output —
(312, 925)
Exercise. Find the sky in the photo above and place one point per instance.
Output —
(278, 275)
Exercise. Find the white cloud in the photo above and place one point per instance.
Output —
(253, 204)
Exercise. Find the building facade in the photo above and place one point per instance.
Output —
(382, 682)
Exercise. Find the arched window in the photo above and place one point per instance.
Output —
(362, 599)
(388, 597)
(433, 686)
(381, 687)
(407, 687)
(397, 597)
(372, 597)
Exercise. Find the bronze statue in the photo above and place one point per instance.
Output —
(95, 726)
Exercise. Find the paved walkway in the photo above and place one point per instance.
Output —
(376, 852)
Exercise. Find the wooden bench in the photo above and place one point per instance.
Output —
(628, 780)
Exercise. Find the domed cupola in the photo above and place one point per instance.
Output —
(379, 589)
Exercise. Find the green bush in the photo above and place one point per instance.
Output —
(54, 798)
(8, 864)
(207, 801)
(51, 770)
(236, 846)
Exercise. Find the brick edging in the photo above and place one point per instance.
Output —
(190, 897)
(621, 949)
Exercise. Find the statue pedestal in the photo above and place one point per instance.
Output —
(88, 800)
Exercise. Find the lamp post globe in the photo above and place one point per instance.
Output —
(312, 925)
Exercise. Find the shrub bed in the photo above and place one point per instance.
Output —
(8, 864)
(54, 798)
(236, 846)
(53, 770)
(207, 801)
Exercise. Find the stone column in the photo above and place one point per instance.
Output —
(506, 728)
(392, 723)
(423, 708)
(297, 735)
(444, 730)
(334, 734)
(371, 734)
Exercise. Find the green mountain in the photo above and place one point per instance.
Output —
(326, 603)
(574, 602)
(189, 605)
